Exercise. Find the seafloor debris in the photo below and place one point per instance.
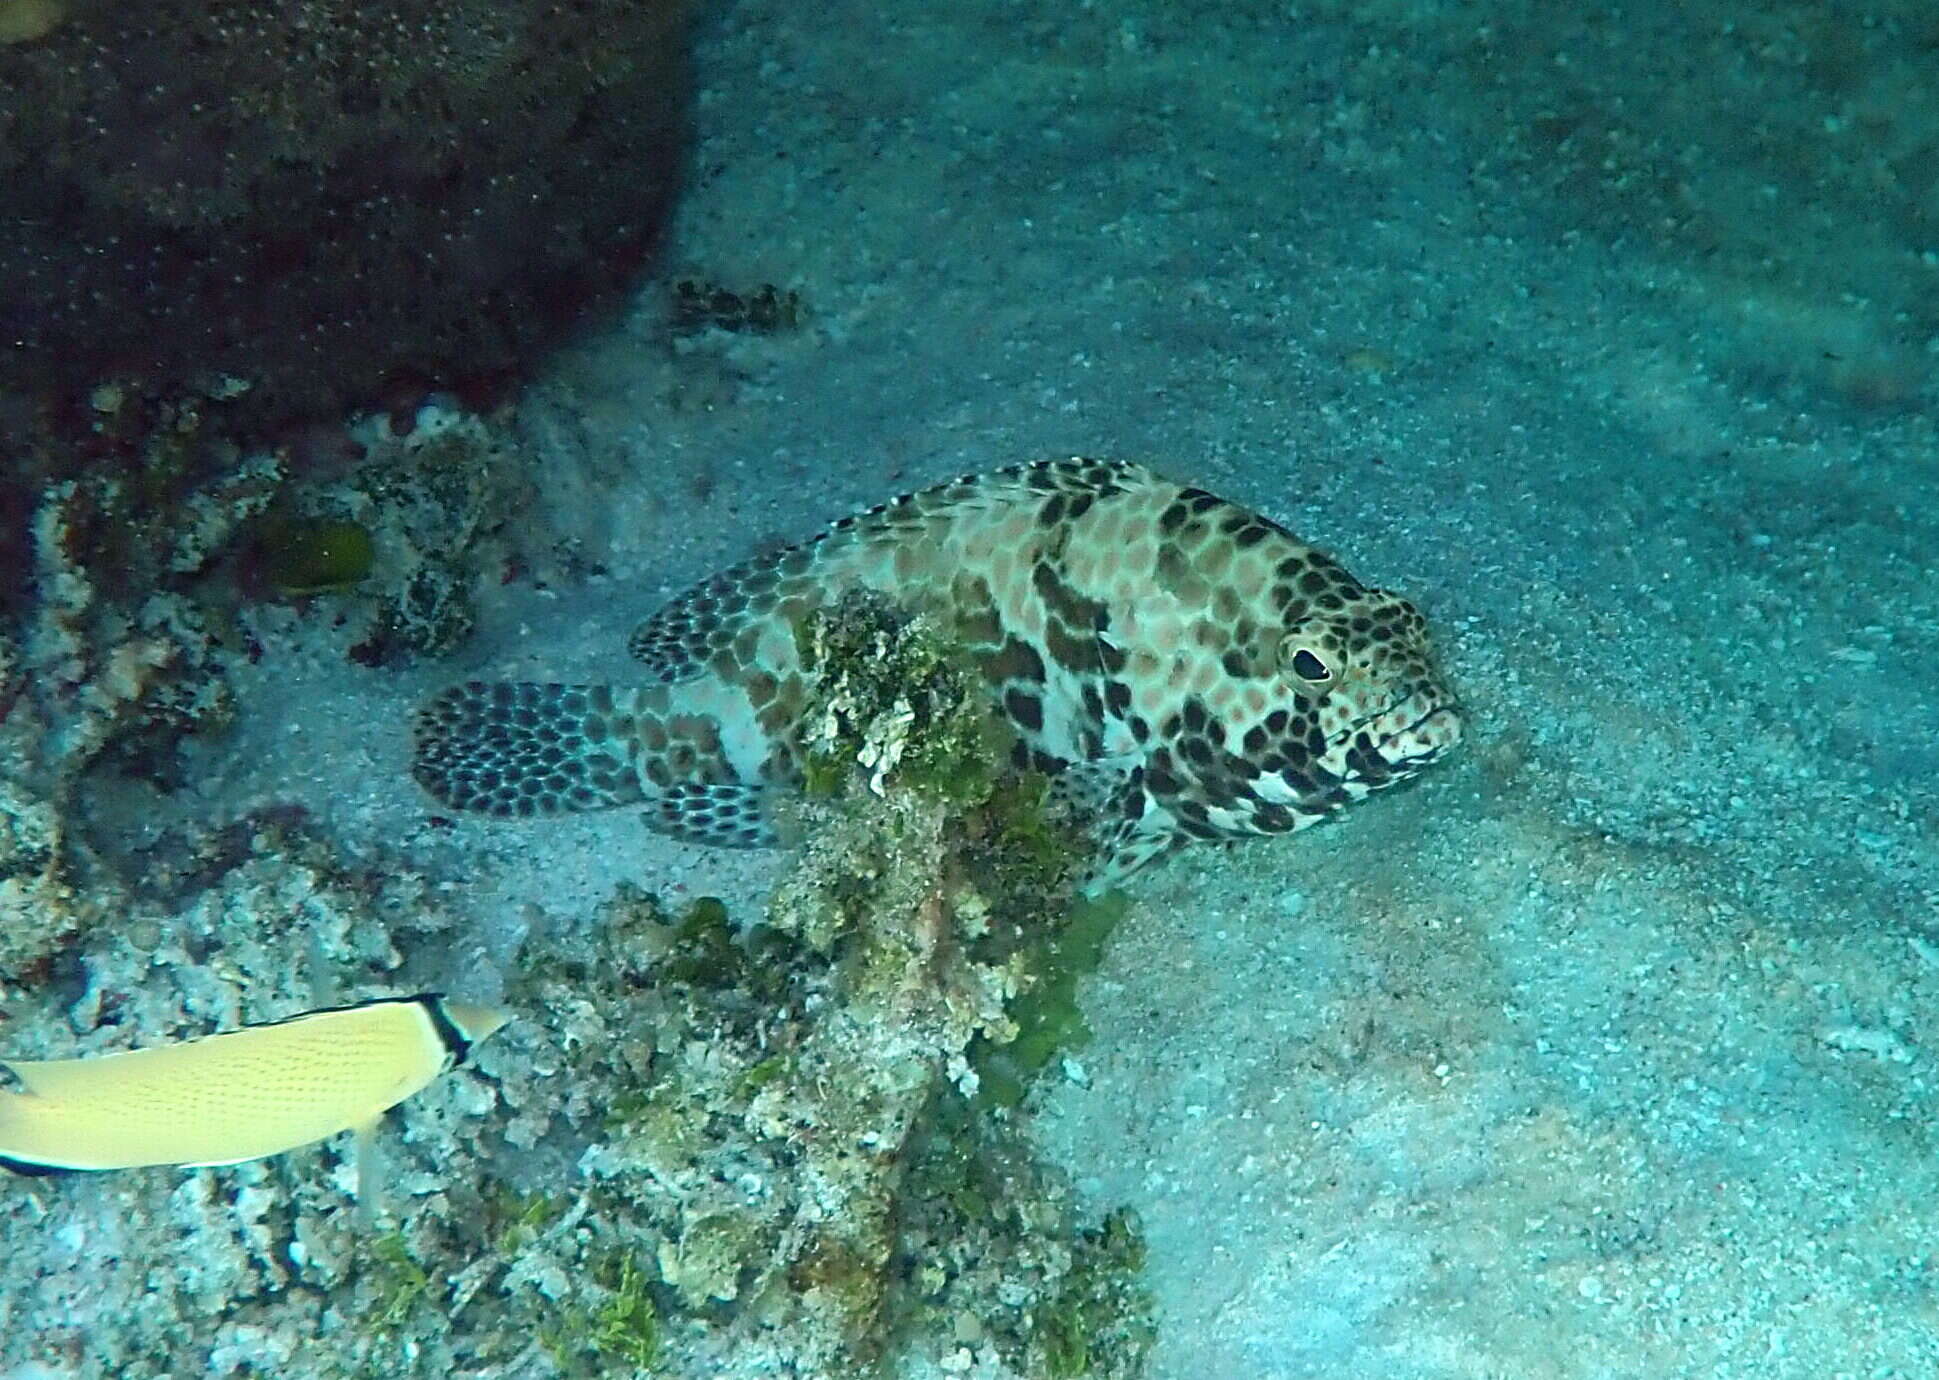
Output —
(768, 310)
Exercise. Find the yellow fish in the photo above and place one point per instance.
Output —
(237, 1096)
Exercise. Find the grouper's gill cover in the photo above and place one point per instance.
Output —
(1183, 668)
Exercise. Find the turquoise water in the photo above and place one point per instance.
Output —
(1597, 1052)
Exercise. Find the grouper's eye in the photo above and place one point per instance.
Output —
(1308, 667)
(1307, 661)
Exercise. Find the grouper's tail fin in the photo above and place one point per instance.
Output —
(525, 748)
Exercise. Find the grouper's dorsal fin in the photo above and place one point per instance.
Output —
(678, 641)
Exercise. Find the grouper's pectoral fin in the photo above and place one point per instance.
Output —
(1130, 843)
(1087, 793)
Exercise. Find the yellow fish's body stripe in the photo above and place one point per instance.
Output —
(236, 1096)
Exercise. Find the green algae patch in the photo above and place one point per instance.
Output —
(1100, 1322)
(400, 1283)
(612, 1320)
(894, 695)
(300, 557)
(900, 704)
(514, 1220)
(1046, 1015)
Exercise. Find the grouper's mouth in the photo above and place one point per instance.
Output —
(1419, 740)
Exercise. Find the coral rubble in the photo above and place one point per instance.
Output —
(705, 1148)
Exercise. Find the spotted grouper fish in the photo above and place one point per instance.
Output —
(1182, 668)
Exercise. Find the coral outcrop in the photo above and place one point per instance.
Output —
(706, 1147)
(321, 198)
